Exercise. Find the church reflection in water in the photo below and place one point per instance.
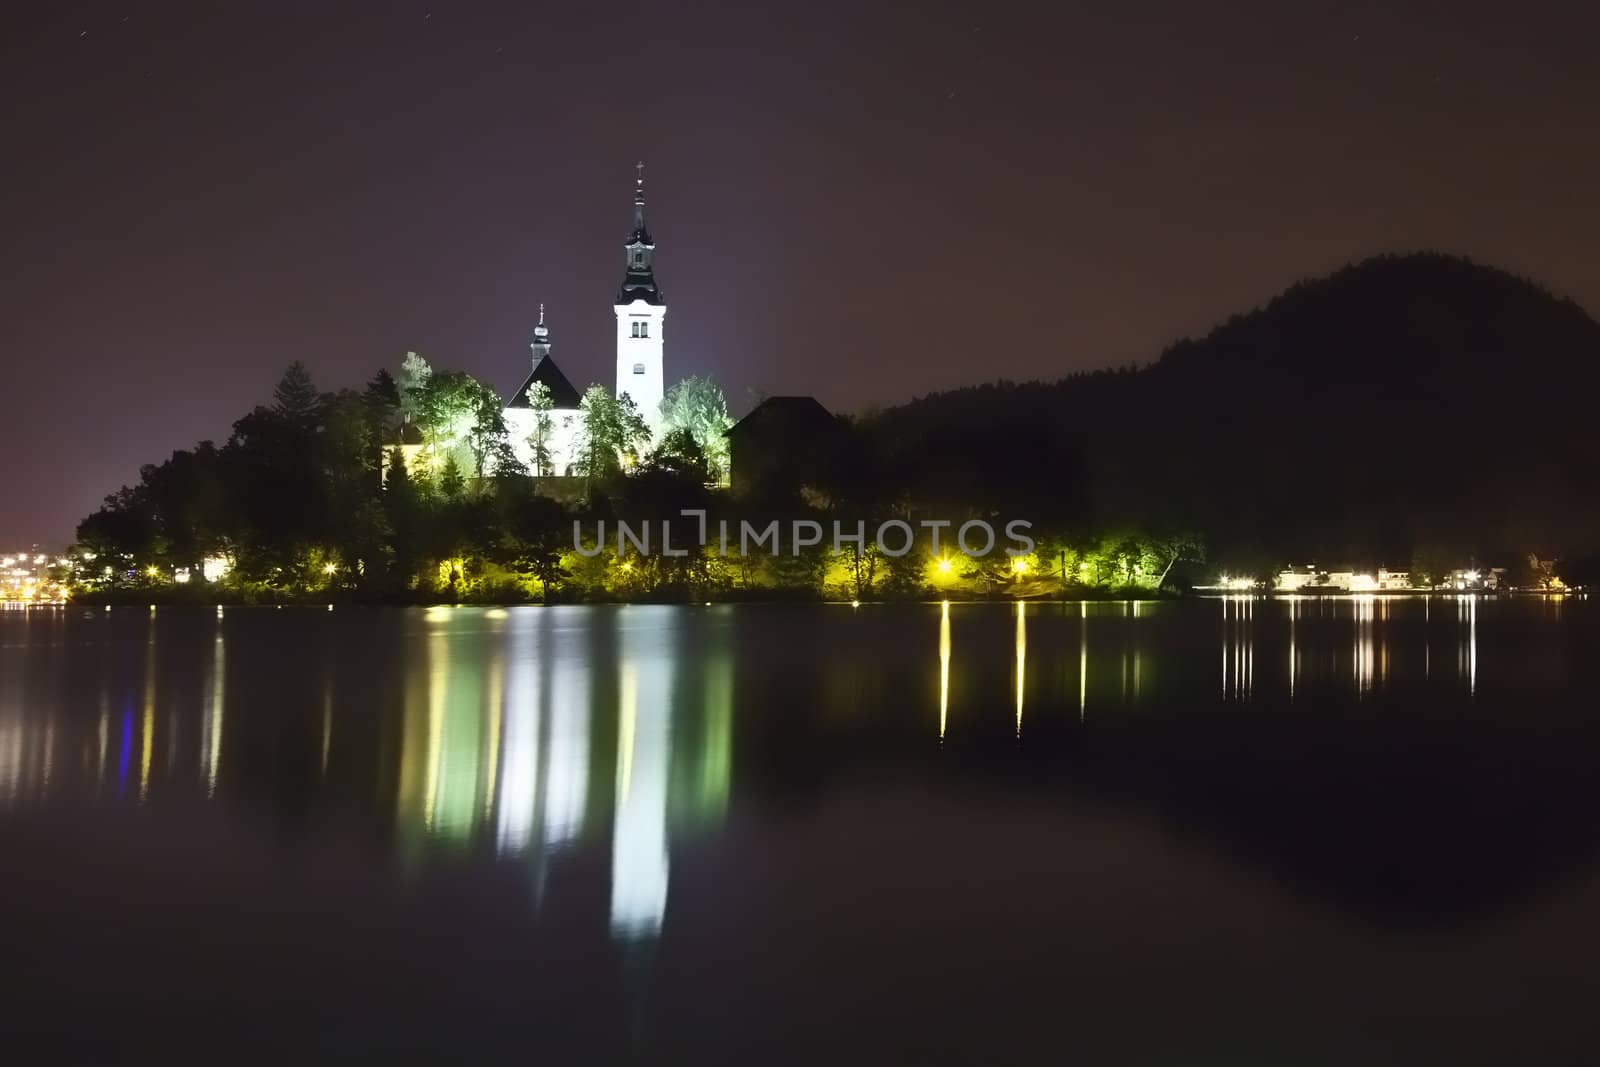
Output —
(569, 731)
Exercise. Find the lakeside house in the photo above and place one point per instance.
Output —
(1311, 579)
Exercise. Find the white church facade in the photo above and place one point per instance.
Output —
(640, 312)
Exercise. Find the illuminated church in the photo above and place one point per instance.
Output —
(640, 312)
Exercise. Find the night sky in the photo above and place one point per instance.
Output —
(864, 202)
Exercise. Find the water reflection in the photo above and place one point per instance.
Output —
(644, 742)
(1467, 647)
(532, 734)
(1022, 659)
(944, 666)
(1083, 660)
(519, 775)
(1238, 647)
(567, 776)
(1294, 654)
(211, 721)
(1362, 608)
(148, 718)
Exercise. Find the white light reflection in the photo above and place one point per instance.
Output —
(1362, 656)
(519, 777)
(644, 749)
(1238, 651)
(566, 779)
(1467, 641)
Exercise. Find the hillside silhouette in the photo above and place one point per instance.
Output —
(1409, 404)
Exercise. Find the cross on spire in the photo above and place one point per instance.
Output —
(639, 174)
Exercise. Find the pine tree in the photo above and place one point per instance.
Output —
(451, 483)
(296, 398)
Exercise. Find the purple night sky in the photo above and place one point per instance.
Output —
(865, 202)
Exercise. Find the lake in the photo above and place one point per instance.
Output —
(1330, 830)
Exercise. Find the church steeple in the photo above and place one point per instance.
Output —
(639, 282)
(541, 339)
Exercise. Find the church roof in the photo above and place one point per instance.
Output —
(562, 394)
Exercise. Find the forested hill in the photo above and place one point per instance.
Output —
(1399, 405)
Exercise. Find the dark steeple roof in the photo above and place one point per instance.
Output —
(639, 283)
(562, 394)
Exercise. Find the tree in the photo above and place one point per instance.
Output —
(610, 433)
(538, 540)
(696, 406)
(414, 377)
(541, 402)
(295, 398)
(487, 436)
(451, 484)
(1164, 552)
(401, 509)
(679, 453)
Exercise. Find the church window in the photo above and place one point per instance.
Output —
(638, 368)
(644, 329)
(636, 329)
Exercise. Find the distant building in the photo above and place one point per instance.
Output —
(783, 443)
(1388, 579)
(1471, 579)
(33, 577)
(1347, 579)
(1292, 578)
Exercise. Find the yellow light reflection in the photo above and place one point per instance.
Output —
(491, 766)
(1022, 659)
(147, 728)
(1294, 611)
(1083, 657)
(438, 653)
(944, 666)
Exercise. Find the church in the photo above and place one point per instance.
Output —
(640, 311)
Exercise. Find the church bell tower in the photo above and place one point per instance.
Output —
(640, 310)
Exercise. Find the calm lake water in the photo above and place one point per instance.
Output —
(1219, 831)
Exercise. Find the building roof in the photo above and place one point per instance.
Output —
(562, 394)
(783, 412)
